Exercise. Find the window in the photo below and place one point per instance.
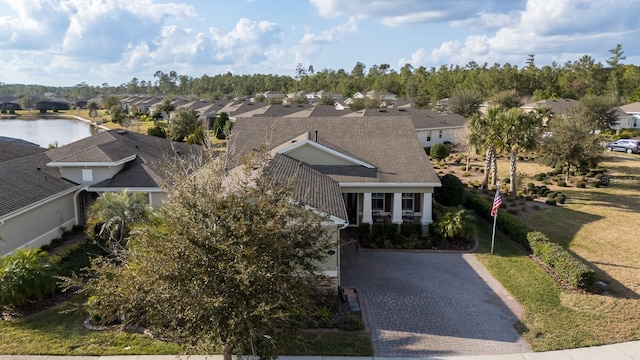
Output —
(407, 201)
(377, 201)
(439, 134)
(87, 175)
(428, 135)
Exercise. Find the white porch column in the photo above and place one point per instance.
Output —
(397, 208)
(366, 209)
(426, 217)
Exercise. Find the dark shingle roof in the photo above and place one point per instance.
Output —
(27, 180)
(10, 149)
(312, 188)
(388, 143)
(422, 118)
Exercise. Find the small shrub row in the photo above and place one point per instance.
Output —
(568, 267)
(505, 222)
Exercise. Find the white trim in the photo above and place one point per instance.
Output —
(39, 203)
(129, 189)
(441, 128)
(92, 164)
(328, 150)
(386, 184)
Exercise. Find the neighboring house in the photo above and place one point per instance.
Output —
(47, 192)
(273, 95)
(632, 118)
(349, 169)
(558, 107)
(430, 127)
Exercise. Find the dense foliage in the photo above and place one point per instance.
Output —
(451, 193)
(573, 79)
(226, 262)
(26, 274)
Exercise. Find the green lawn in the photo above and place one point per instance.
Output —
(599, 225)
(60, 331)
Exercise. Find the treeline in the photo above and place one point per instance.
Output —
(573, 80)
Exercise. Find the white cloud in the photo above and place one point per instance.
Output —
(550, 29)
(405, 12)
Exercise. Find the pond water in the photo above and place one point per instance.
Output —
(46, 131)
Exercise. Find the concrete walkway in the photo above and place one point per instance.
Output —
(419, 304)
(623, 351)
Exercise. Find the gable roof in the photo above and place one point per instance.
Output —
(557, 106)
(312, 187)
(387, 143)
(26, 180)
(143, 155)
(632, 108)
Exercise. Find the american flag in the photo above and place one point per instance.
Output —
(497, 201)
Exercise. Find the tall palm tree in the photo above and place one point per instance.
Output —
(112, 216)
(520, 131)
(167, 106)
(482, 135)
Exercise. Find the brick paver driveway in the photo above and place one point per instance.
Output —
(430, 304)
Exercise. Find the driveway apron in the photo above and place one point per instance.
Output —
(430, 304)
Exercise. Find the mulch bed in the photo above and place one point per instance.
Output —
(11, 312)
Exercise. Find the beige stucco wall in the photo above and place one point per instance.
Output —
(99, 173)
(157, 198)
(313, 156)
(38, 226)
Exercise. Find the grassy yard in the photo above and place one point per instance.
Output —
(60, 331)
(599, 225)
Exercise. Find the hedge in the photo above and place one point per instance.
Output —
(505, 222)
(568, 268)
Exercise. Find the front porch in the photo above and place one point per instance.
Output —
(389, 207)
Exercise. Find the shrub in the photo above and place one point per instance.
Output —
(438, 151)
(528, 198)
(452, 192)
(351, 322)
(590, 174)
(562, 183)
(390, 231)
(506, 180)
(560, 198)
(26, 274)
(157, 131)
(568, 268)
(550, 202)
(599, 176)
(409, 229)
(504, 222)
(581, 184)
(364, 233)
(539, 177)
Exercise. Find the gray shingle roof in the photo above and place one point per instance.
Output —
(312, 188)
(27, 180)
(422, 118)
(387, 142)
(10, 149)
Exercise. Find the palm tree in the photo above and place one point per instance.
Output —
(520, 131)
(112, 216)
(457, 225)
(166, 106)
(483, 135)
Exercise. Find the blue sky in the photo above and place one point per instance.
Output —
(66, 42)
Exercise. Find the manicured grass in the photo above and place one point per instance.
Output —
(553, 318)
(599, 225)
(60, 331)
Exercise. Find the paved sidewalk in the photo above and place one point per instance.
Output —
(623, 351)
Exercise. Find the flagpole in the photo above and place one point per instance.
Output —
(495, 217)
(493, 234)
